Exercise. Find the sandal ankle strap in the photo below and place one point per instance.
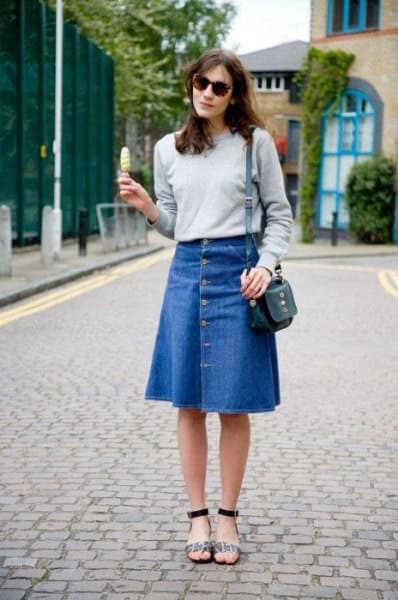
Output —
(228, 513)
(203, 512)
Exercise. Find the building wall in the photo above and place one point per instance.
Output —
(277, 110)
(376, 61)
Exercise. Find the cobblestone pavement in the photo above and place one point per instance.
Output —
(92, 503)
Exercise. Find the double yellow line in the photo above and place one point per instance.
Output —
(57, 297)
(388, 278)
(389, 281)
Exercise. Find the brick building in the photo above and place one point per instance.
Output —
(273, 70)
(367, 120)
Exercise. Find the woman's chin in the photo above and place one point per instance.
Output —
(203, 114)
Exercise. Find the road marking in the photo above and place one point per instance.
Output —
(312, 265)
(388, 278)
(59, 296)
(389, 281)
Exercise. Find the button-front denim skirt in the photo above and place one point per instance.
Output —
(206, 355)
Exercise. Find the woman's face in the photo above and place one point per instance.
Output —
(209, 106)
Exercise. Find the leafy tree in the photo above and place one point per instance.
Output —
(150, 40)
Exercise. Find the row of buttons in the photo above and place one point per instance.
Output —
(204, 302)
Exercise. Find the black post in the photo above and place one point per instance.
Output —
(334, 231)
(83, 222)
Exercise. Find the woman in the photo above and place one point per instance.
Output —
(206, 357)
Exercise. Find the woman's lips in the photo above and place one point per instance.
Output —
(205, 105)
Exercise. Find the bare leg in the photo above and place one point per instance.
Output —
(234, 450)
(192, 443)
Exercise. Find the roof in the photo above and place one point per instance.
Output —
(284, 57)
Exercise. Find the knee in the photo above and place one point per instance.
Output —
(191, 416)
(234, 420)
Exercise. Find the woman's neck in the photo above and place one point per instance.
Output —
(217, 128)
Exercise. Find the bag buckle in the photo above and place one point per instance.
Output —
(278, 273)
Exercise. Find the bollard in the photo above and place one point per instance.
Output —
(83, 223)
(47, 236)
(5, 241)
(334, 231)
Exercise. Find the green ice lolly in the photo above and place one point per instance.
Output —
(125, 162)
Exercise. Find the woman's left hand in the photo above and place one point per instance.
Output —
(254, 284)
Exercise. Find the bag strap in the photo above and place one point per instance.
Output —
(249, 207)
(249, 202)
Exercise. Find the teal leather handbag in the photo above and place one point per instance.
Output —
(276, 308)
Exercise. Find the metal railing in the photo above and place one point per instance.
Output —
(120, 226)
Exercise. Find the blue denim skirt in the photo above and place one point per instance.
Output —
(206, 355)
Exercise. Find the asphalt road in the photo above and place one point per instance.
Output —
(92, 503)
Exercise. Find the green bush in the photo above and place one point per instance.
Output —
(370, 198)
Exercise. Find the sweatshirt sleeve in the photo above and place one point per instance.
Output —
(165, 223)
(279, 220)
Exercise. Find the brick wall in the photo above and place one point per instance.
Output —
(276, 109)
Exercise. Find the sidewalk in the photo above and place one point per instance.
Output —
(29, 276)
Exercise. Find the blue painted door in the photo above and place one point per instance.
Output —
(347, 138)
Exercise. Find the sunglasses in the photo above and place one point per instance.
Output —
(202, 83)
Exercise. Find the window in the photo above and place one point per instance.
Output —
(337, 15)
(293, 140)
(372, 14)
(353, 14)
(270, 83)
(350, 16)
(294, 93)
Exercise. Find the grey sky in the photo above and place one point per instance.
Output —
(264, 23)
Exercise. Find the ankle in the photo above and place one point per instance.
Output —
(197, 513)
(227, 512)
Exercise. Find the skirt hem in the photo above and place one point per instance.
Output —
(217, 410)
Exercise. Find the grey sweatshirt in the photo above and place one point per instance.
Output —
(202, 195)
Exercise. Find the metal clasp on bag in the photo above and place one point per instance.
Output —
(278, 273)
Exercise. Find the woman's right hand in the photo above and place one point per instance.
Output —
(135, 195)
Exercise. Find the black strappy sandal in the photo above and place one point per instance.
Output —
(224, 547)
(206, 546)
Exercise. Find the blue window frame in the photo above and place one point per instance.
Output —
(348, 137)
(352, 16)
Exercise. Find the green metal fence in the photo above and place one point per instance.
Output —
(27, 107)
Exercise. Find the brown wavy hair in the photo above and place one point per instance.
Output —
(195, 136)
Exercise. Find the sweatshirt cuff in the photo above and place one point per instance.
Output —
(268, 261)
(160, 223)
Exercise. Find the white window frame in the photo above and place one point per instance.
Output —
(273, 88)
